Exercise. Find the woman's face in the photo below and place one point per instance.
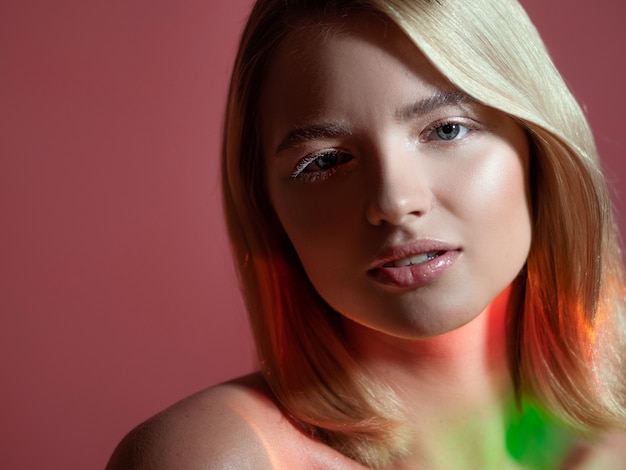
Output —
(404, 198)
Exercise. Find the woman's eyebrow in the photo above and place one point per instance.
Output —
(427, 105)
(317, 131)
(327, 130)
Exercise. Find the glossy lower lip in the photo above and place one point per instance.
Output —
(416, 275)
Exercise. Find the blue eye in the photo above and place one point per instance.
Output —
(447, 131)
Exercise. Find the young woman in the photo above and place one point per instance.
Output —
(425, 245)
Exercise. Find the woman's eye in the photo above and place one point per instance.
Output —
(447, 131)
(326, 160)
(320, 163)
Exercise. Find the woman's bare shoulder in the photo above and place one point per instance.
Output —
(233, 425)
(215, 428)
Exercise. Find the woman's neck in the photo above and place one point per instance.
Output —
(456, 389)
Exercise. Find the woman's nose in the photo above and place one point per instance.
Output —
(400, 188)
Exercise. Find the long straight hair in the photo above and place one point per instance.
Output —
(567, 328)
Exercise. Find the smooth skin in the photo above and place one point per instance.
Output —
(373, 157)
(406, 162)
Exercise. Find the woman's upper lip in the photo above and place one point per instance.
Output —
(393, 253)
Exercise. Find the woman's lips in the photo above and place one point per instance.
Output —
(414, 267)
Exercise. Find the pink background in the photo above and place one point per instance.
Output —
(117, 296)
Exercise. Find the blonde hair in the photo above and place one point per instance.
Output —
(567, 330)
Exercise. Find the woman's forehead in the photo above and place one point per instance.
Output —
(311, 35)
(314, 68)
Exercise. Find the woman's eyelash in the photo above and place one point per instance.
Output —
(333, 158)
(328, 160)
(302, 165)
